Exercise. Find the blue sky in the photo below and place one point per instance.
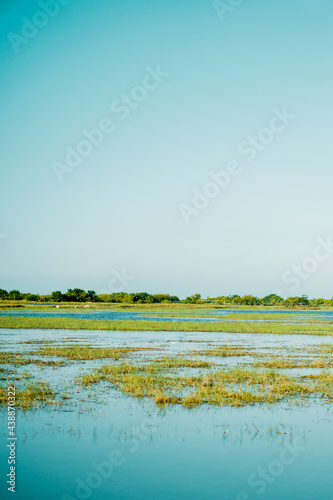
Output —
(119, 211)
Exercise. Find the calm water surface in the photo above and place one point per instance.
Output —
(116, 447)
(154, 316)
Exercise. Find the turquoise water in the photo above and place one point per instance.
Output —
(116, 447)
(129, 450)
(153, 316)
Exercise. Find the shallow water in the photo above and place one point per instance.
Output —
(154, 316)
(273, 453)
(209, 453)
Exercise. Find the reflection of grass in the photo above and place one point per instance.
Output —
(86, 352)
(132, 325)
(29, 395)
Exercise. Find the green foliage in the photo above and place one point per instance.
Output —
(271, 300)
(15, 295)
(250, 300)
(57, 296)
(3, 294)
(79, 295)
(296, 302)
(31, 297)
(193, 299)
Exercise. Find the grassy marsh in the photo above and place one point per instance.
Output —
(144, 325)
(29, 395)
(289, 363)
(86, 352)
(225, 351)
(221, 371)
(14, 359)
(233, 387)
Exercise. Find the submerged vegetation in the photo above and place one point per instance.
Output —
(176, 369)
(233, 387)
(257, 378)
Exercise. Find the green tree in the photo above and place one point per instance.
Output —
(15, 295)
(271, 300)
(57, 296)
(193, 299)
(91, 296)
(31, 297)
(142, 298)
(75, 295)
(250, 300)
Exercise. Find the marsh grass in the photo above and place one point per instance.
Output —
(14, 359)
(322, 384)
(182, 379)
(321, 349)
(289, 363)
(177, 362)
(274, 318)
(224, 352)
(143, 325)
(86, 352)
(233, 387)
(29, 395)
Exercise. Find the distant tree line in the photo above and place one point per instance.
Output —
(79, 295)
(270, 300)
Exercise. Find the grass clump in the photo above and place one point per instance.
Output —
(224, 352)
(285, 363)
(29, 396)
(322, 384)
(13, 359)
(183, 326)
(175, 363)
(85, 352)
(233, 387)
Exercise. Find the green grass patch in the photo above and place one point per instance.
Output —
(287, 363)
(29, 395)
(86, 352)
(132, 325)
(233, 387)
(14, 359)
(224, 352)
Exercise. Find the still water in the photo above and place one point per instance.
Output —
(154, 316)
(116, 447)
(130, 450)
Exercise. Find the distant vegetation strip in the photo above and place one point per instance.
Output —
(142, 325)
(77, 295)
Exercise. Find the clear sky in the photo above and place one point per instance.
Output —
(182, 91)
